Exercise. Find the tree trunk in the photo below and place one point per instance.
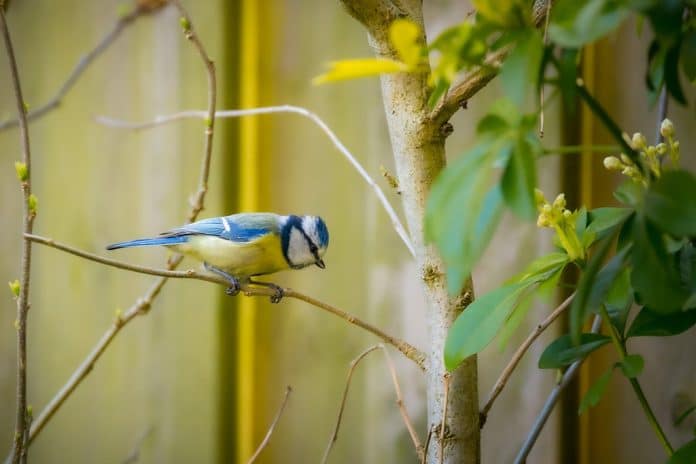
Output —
(418, 144)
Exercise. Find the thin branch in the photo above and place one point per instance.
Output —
(79, 68)
(29, 212)
(162, 120)
(142, 305)
(517, 357)
(189, 33)
(267, 438)
(662, 105)
(399, 401)
(405, 348)
(443, 425)
(551, 402)
(427, 445)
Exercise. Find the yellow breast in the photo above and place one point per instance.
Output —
(240, 259)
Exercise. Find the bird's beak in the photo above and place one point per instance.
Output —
(320, 264)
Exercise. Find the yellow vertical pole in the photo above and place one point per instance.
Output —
(249, 201)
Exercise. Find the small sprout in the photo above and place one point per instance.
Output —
(22, 171)
(661, 149)
(560, 201)
(118, 316)
(209, 123)
(667, 129)
(14, 287)
(626, 160)
(30, 411)
(33, 204)
(25, 105)
(539, 198)
(185, 24)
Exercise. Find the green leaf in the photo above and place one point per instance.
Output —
(604, 282)
(629, 193)
(596, 391)
(459, 198)
(574, 23)
(562, 352)
(619, 299)
(586, 296)
(478, 324)
(632, 365)
(507, 14)
(649, 323)
(672, 74)
(548, 281)
(669, 203)
(684, 455)
(543, 268)
(655, 278)
(687, 56)
(519, 180)
(604, 219)
(520, 72)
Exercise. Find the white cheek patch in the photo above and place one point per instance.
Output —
(298, 249)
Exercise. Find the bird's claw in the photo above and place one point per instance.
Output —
(278, 295)
(232, 291)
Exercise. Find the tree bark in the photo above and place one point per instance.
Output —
(418, 144)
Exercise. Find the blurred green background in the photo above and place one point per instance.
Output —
(200, 377)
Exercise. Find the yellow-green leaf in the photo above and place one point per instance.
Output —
(14, 287)
(404, 36)
(357, 68)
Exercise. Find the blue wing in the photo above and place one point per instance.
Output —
(243, 227)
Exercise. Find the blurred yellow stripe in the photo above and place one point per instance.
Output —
(249, 201)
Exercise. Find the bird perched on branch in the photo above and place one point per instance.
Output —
(245, 245)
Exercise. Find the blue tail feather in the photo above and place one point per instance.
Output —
(149, 242)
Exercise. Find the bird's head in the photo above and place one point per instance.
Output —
(304, 241)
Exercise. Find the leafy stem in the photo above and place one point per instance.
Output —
(620, 345)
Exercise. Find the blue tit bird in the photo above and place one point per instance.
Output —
(245, 245)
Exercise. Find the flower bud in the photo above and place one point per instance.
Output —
(560, 201)
(612, 163)
(661, 149)
(667, 128)
(639, 141)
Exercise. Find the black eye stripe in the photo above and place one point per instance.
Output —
(312, 246)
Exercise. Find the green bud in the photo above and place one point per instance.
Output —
(185, 24)
(543, 221)
(14, 287)
(560, 201)
(667, 128)
(33, 204)
(567, 214)
(661, 149)
(626, 160)
(22, 171)
(612, 163)
(651, 152)
(208, 123)
(546, 208)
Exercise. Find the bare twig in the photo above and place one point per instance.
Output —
(143, 304)
(79, 68)
(514, 361)
(408, 350)
(427, 445)
(187, 24)
(162, 120)
(443, 426)
(267, 438)
(399, 401)
(29, 212)
(551, 402)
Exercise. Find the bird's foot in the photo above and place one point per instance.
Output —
(278, 292)
(235, 286)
